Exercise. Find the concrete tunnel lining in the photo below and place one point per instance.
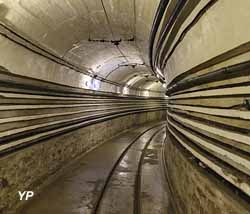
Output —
(76, 75)
(52, 22)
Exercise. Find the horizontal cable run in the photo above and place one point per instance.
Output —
(214, 111)
(209, 135)
(226, 154)
(234, 91)
(37, 49)
(226, 73)
(230, 174)
(238, 137)
(33, 110)
(10, 140)
(208, 115)
(208, 94)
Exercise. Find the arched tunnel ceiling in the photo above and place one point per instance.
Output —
(108, 38)
(126, 72)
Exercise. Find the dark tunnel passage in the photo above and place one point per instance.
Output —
(124, 107)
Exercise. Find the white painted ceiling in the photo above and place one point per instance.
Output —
(82, 31)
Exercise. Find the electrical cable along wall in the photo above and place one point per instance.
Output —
(204, 55)
(33, 110)
(212, 123)
(73, 74)
(45, 126)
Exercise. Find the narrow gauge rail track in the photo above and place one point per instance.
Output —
(105, 202)
(112, 178)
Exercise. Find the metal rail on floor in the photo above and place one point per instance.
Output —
(137, 183)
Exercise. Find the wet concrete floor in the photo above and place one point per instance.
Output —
(90, 187)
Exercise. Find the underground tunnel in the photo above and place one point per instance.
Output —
(124, 107)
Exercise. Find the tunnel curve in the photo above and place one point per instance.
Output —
(75, 74)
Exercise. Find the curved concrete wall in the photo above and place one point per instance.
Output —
(38, 164)
(202, 47)
(44, 126)
(67, 69)
(195, 188)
